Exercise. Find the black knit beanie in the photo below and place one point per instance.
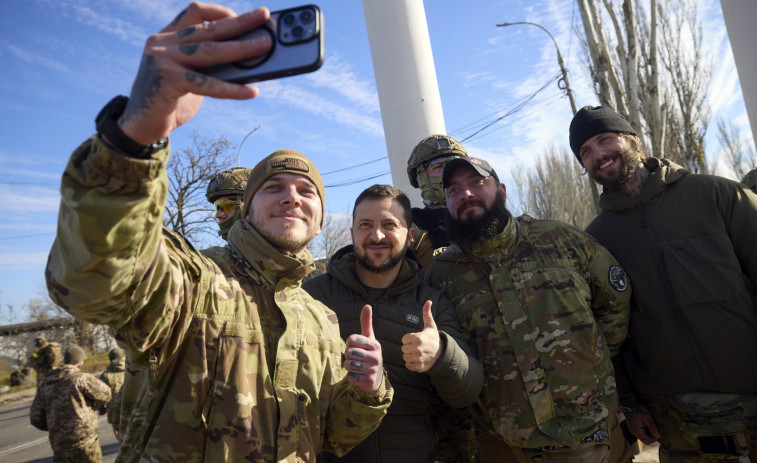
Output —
(593, 120)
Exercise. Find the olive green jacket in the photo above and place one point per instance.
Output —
(544, 307)
(229, 358)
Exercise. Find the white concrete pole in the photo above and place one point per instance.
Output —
(411, 108)
(740, 17)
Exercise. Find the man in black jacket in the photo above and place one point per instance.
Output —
(424, 351)
(688, 244)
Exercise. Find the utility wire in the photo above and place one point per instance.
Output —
(357, 180)
(24, 236)
(355, 166)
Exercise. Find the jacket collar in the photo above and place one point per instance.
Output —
(261, 258)
(663, 172)
(342, 267)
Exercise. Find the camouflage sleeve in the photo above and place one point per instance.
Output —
(457, 376)
(95, 390)
(109, 264)
(37, 415)
(354, 414)
(610, 298)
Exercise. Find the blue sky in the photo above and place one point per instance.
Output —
(62, 60)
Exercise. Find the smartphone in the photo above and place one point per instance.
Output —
(297, 36)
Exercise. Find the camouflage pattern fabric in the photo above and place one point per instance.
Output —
(45, 359)
(113, 376)
(229, 359)
(545, 307)
(90, 453)
(66, 405)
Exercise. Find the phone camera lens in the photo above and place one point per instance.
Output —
(307, 16)
(297, 31)
(289, 19)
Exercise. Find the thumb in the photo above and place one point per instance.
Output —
(366, 321)
(428, 318)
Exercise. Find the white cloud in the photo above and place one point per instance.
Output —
(22, 260)
(28, 199)
(339, 76)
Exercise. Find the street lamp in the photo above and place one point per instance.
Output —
(563, 84)
(243, 140)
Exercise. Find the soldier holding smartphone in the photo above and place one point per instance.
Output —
(230, 359)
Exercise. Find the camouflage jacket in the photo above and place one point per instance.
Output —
(113, 376)
(66, 405)
(229, 359)
(545, 307)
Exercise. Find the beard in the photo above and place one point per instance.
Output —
(465, 232)
(361, 256)
(629, 158)
(285, 243)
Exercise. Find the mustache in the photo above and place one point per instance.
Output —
(378, 243)
(470, 202)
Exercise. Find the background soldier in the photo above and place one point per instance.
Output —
(416, 325)
(545, 307)
(689, 245)
(66, 405)
(113, 376)
(46, 357)
(225, 192)
(424, 170)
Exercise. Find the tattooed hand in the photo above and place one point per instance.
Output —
(167, 92)
(363, 359)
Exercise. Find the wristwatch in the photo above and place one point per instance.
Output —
(107, 126)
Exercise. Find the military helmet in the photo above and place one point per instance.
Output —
(39, 341)
(429, 148)
(227, 183)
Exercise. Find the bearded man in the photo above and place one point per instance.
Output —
(425, 353)
(545, 308)
(689, 371)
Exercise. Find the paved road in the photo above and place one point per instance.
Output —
(20, 442)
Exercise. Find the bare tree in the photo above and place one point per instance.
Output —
(189, 171)
(633, 73)
(556, 189)
(740, 155)
(334, 235)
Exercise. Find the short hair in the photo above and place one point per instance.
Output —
(379, 191)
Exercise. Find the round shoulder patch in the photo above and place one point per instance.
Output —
(618, 279)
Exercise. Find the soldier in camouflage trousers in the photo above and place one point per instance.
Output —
(66, 405)
(229, 359)
(545, 308)
(113, 376)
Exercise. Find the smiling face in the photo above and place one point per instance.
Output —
(469, 194)
(609, 159)
(380, 235)
(286, 210)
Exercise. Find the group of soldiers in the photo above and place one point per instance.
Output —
(452, 332)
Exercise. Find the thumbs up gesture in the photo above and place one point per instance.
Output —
(362, 356)
(421, 350)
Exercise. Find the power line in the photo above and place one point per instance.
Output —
(29, 183)
(355, 166)
(24, 236)
(358, 180)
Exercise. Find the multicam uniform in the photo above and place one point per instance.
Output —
(113, 376)
(66, 405)
(545, 308)
(229, 358)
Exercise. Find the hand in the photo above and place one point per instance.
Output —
(421, 350)
(642, 425)
(167, 92)
(363, 360)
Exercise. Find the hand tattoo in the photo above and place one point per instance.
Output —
(189, 49)
(188, 31)
(146, 86)
(201, 78)
(176, 20)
